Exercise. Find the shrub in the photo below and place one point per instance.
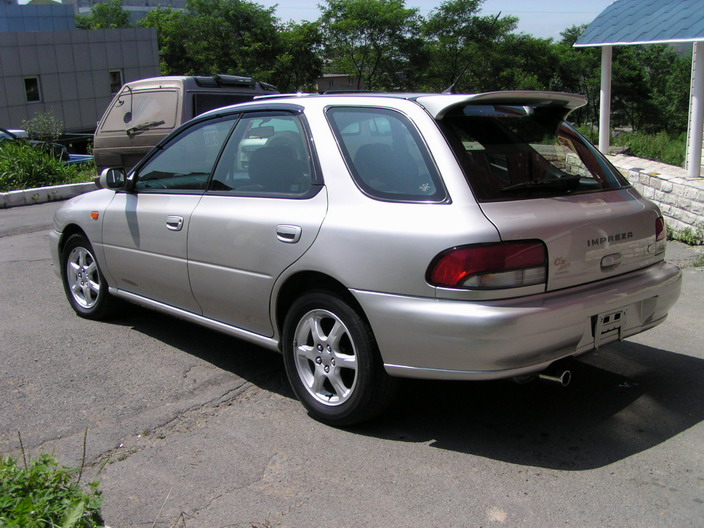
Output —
(23, 166)
(44, 127)
(44, 494)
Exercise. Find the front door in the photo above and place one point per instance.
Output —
(145, 230)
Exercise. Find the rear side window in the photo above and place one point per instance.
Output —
(515, 152)
(386, 155)
(139, 111)
(267, 155)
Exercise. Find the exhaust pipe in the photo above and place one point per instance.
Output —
(561, 376)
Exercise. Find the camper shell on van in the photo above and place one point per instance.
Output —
(145, 111)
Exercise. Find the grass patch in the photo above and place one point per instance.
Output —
(46, 495)
(43, 494)
(23, 166)
(661, 147)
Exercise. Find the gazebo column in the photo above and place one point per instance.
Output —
(605, 99)
(694, 161)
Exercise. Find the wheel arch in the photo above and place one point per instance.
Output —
(68, 232)
(307, 281)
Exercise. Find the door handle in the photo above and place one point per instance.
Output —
(289, 234)
(174, 223)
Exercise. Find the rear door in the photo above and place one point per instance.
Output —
(536, 177)
(588, 238)
(263, 210)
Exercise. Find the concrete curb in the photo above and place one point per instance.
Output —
(44, 194)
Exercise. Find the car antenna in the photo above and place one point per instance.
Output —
(452, 89)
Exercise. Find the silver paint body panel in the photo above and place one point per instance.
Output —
(228, 263)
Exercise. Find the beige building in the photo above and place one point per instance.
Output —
(338, 81)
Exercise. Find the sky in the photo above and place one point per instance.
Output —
(541, 18)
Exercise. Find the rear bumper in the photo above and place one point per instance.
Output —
(447, 339)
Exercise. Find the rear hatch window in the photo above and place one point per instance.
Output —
(518, 152)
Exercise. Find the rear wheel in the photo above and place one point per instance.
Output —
(84, 283)
(332, 361)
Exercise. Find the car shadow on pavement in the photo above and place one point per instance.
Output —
(623, 400)
(259, 366)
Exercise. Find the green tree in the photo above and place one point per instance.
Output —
(667, 74)
(109, 15)
(300, 61)
(370, 39)
(217, 36)
(519, 62)
(461, 44)
(172, 30)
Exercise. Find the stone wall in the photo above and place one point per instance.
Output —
(681, 199)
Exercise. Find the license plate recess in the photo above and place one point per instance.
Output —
(609, 327)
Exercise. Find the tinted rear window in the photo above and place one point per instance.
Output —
(515, 152)
(202, 102)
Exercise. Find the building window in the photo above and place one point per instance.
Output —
(115, 81)
(331, 83)
(31, 89)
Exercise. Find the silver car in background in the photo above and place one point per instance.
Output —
(370, 237)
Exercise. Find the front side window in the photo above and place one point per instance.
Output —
(386, 155)
(517, 152)
(186, 162)
(267, 155)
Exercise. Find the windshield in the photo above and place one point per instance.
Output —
(516, 152)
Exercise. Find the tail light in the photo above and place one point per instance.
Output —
(490, 266)
(660, 229)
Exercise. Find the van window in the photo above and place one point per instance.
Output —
(202, 102)
(157, 109)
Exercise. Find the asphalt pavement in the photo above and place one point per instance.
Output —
(190, 428)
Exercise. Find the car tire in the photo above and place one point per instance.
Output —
(332, 361)
(84, 283)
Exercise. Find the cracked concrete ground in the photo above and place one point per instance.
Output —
(190, 428)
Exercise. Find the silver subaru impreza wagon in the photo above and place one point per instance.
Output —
(371, 237)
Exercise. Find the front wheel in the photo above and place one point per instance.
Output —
(84, 283)
(332, 361)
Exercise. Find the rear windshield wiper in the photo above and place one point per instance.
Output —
(566, 184)
(144, 126)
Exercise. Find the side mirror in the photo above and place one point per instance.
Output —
(112, 178)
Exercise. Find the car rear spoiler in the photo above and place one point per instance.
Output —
(439, 106)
